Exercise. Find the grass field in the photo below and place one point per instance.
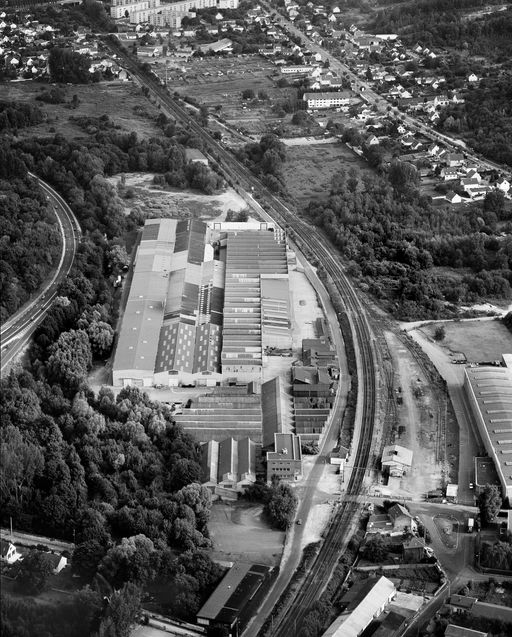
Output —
(238, 532)
(478, 340)
(309, 169)
(121, 101)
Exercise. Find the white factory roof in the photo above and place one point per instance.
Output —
(353, 624)
(492, 389)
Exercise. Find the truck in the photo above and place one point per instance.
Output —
(471, 524)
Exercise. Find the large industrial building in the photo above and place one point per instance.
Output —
(204, 303)
(489, 390)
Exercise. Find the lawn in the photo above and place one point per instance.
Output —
(239, 532)
(479, 341)
(123, 102)
(309, 169)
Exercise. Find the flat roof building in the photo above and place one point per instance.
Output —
(235, 598)
(286, 459)
(489, 390)
(254, 302)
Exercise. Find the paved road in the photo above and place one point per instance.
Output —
(369, 95)
(26, 539)
(18, 329)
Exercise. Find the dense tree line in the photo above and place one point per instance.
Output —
(15, 115)
(400, 245)
(484, 120)
(266, 158)
(442, 23)
(30, 241)
(84, 614)
(68, 66)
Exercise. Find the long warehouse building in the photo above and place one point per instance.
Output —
(198, 314)
(489, 390)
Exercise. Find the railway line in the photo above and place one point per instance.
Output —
(317, 244)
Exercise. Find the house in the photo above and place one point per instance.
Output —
(472, 78)
(473, 174)
(454, 159)
(9, 552)
(413, 550)
(372, 141)
(503, 185)
(453, 197)
(461, 603)
(452, 491)
(396, 460)
(449, 174)
(401, 518)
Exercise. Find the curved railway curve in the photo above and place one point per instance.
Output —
(338, 532)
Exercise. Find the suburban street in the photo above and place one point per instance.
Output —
(369, 95)
(17, 331)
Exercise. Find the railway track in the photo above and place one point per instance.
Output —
(318, 245)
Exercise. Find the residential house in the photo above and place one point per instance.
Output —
(413, 550)
(472, 78)
(453, 197)
(461, 603)
(9, 552)
(401, 518)
(449, 174)
(503, 184)
(454, 159)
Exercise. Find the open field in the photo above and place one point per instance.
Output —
(155, 201)
(238, 532)
(309, 169)
(121, 101)
(477, 340)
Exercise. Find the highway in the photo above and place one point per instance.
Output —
(312, 241)
(17, 330)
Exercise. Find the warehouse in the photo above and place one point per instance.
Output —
(203, 305)
(489, 390)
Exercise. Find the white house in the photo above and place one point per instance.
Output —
(9, 552)
(472, 78)
(503, 185)
(453, 197)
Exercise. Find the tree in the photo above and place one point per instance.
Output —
(402, 175)
(282, 506)
(35, 569)
(70, 359)
(86, 558)
(489, 503)
(248, 94)
(131, 560)
(440, 333)
(121, 613)
(375, 549)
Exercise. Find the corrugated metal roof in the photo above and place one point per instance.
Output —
(492, 389)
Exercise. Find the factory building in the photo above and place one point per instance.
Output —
(202, 315)
(489, 390)
(172, 325)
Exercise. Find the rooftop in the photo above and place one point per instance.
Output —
(492, 389)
